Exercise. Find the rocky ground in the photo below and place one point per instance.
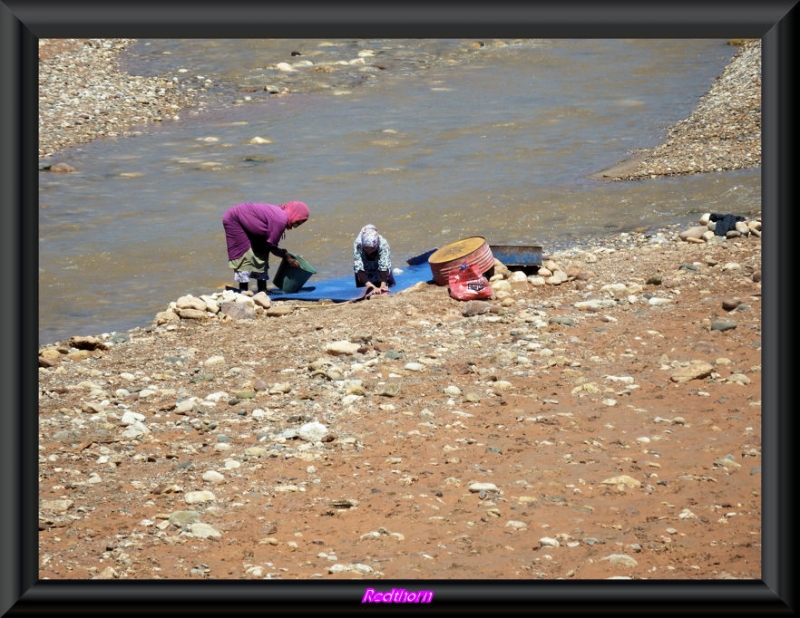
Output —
(602, 427)
(598, 419)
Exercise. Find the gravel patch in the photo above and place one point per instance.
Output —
(84, 96)
(723, 133)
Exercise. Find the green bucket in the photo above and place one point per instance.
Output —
(290, 279)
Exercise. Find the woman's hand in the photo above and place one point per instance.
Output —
(292, 261)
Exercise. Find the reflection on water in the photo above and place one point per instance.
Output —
(445, 141)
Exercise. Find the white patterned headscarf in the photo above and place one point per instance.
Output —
(369, 237)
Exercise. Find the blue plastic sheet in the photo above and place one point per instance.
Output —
(344, 289)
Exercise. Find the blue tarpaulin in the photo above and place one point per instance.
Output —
(344, 289)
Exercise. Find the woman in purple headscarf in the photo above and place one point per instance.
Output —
(252, 232)
(372, 261)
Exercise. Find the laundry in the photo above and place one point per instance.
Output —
(725, 223)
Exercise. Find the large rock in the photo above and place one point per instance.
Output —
(190, 302)
(696, 370)
(342, 348)
(693, 233)
(192, 314)
(238, 311)
(87, 343)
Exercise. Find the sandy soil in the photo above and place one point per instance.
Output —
(601, 456)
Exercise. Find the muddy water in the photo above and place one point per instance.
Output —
(431, 141)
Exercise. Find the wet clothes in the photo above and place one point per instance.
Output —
(725, 223)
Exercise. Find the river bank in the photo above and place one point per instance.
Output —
(84, 96)
(722, 133)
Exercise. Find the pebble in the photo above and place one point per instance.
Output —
(196, 497)
(204, 531)
(621, 560)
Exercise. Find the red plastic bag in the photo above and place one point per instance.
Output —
(467, 283)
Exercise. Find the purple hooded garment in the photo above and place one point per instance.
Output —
(253, 224)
